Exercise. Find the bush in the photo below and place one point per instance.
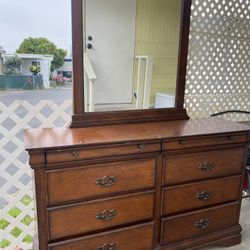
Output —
(12, 66)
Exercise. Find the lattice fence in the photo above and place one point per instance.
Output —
(218, 74)
(16, 199)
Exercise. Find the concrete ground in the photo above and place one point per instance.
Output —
(245, 223)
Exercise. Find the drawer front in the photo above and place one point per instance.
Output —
(92, 216)
(96, 180)
(56, 156)
(197, 223)
(203, 142)
(201, 194)
(197, 166)
(136, 238)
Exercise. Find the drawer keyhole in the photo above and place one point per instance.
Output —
(74, 153)
(141, 146)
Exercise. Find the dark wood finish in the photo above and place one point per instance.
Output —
(54, 156)
(224, 163)
(185, 226)
(41, 210)
(77, 56)
(83, 119)
(217, 238)
(82, 218)
(95, 119)
(68, 138)
(183, 53)
(124, 176)
(191, 143)
(136, 238)
(81, 183)
(200, 194)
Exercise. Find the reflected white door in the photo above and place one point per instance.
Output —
(110, 30)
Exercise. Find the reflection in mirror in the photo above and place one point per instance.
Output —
(131, 54)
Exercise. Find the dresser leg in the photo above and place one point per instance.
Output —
(229, 242)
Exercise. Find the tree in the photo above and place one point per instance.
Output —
(43, 46)
(12, 65)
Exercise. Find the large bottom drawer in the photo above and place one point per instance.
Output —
(136, 238)
(193, 224)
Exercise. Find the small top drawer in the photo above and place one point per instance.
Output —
(197, 166)
(75, 154)
(183, 143)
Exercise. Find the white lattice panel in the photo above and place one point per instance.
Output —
(218, 70)
(16, 199)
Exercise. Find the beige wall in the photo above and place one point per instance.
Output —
(157, 35)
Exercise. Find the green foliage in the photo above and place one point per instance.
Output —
(34, 68)
(43, 46)
(4, 243)
(12, 65)
(28, 239)
(4, 224)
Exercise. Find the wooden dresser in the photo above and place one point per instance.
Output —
(165, 185)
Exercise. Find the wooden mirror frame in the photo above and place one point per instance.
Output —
(80, 118)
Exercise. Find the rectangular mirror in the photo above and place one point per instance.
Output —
(129, 60)
(130, 54)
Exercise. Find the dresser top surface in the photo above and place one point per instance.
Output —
(66, 137)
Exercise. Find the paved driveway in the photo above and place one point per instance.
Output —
(58, 95)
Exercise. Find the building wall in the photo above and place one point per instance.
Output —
(157, 35)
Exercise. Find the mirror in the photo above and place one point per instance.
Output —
(129, 60)
(130, 54)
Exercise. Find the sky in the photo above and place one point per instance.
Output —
(21, 19)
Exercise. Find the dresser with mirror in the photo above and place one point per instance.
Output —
(133, 171)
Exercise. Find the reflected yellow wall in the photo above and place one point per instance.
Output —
(157, 35)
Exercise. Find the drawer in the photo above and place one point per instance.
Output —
(136, 238)
(75, 154)
(197, 166)
(101, 214)
(193, 224)
(183, 143)
(101, 179)
(201, 194)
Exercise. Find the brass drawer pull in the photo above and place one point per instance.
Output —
(74, 153)
(204, 195)
(108, 246)
(207, 166)
(106, 215)
(202, 224)
(106, 181)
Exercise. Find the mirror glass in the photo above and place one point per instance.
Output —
(131, 54)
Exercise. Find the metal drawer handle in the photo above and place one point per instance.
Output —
(107, 246)
(202, 224)
(74, 153)
(106, 181)
(106, 215)
(207, 166)
(204, 195)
